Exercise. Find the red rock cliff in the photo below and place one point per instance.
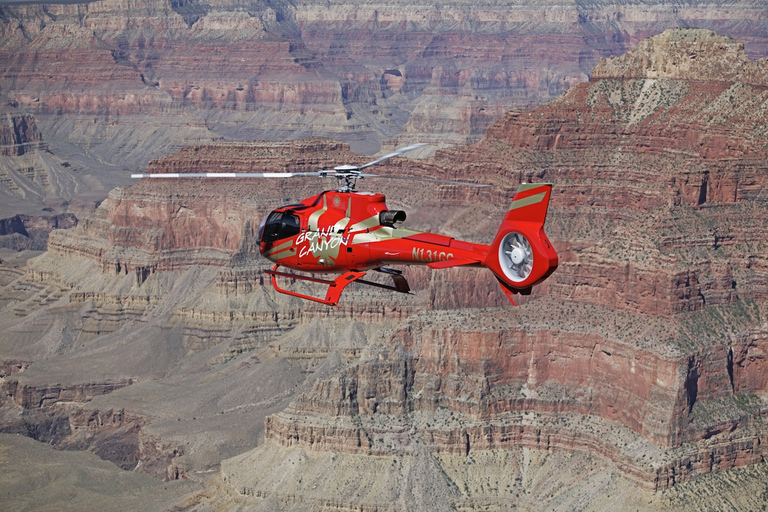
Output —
(655, 320)
(646, 346)
(359, 72)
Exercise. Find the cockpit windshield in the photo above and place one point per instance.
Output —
(280, 225)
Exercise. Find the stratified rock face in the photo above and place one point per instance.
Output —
(24, 232)
(685, 55)
(657, 216)
(672, 172)
(646, 347)
(18, 133)
(171, 224)
(362, 72)
(114, 83)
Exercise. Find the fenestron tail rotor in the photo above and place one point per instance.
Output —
(346, 174)
(516, 256)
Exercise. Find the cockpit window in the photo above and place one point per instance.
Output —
(291, 226)
(280, 225)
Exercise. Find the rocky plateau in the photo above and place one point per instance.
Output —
(634, 378)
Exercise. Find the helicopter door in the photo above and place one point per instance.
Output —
(280, 225)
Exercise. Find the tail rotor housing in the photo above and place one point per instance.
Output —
(521, 255)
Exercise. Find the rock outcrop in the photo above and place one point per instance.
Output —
(685, 55)
(655, 215)
(25, 232)
(170, 224)
(18, 133)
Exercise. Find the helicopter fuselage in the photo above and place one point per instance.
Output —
(353, 232)
(338, 231)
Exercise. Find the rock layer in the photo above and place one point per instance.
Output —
(647, 221)
(361, 72)
(114, 83)
(645, 348)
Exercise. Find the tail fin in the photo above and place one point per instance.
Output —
(521, 255)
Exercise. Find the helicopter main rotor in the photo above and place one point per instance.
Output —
(347, 175)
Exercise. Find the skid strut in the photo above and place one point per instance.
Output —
(336, 287)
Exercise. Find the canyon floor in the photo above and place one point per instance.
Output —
(38, 477)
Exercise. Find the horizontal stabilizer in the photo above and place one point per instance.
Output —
(458, 262)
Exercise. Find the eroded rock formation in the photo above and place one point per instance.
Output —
(656, 215)
(360, 72)
(646, 349)
(114, 83)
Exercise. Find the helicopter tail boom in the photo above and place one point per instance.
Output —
(521, 255)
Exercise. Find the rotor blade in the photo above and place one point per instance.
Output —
(226, 175)
(433, 180)
(396, 153)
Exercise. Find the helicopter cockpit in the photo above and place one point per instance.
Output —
(278, 226)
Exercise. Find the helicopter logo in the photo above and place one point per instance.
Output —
(351, 233)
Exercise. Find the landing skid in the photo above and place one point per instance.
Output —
(337, 286)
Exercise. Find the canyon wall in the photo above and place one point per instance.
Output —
(358, 72)
(661, 285)
(112, 84)
(152, 319)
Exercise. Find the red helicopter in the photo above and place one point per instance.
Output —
(348, 232)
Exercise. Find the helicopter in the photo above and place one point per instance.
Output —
(350, 233)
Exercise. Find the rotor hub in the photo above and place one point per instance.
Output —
(517, 256)
(347, 177)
